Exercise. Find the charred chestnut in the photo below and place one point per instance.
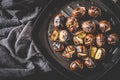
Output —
(104, 26)
(112, 38)
(88, 40)
(69, 51)
(94, 11)
(72, 24)
(63, 35)
(97, 54)
(79, 12)
(89, 63)
(57, 46)
(81, 51)
(89, 26)
(100, 40)
(54, 35)
(77, 64)
(59, 21)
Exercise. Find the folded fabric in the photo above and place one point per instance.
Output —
(19, 56)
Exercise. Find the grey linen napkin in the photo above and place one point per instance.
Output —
(19, 57)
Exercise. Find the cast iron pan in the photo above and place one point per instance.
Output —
(40, 37)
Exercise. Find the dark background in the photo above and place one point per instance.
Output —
(53, 75)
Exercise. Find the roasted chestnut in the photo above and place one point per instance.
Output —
(100, 40)
(93, 51)
(77, 40)
(80, 34)
(89, 26)
(79, 12)
(57, 46)
(100, 54)
(59, 21)
(63, 35)
(94, 11)
(54, 35)
(112, 38)
(104, 26)
(97, 54)
(89, 63)
(69, 51)
(81, 51)
(72, 24)
(77, 64)
(88, 40)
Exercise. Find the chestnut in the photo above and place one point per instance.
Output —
(89, 26)
(100, 54)
(54, 35)
(77, 40)
(93, 51)
(79, 12)
(58, 46)
(112, 38)
(72, 24)
(97, 53)
(80, 34)
(63, 35)
(59, 21)
(89, 63)
(88, 40)
(81, 51)
(94, 11)
(100, 40)
(104, 26)
(78, 37)
(77, 64)
(69, 51)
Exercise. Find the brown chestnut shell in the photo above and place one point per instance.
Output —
(94, 11)
(63, 35)
(79, 12)
(77, 40)
(58, 46)
(69, 52)
(88, 40)
(59, 21)
(104, 26)
(100, 40)
(112, 38)
(81, 51)
(77, 64)
(89, 63)
(89, 26)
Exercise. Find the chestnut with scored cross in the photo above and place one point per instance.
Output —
(79, 12)
(72, 24)
(94, 11)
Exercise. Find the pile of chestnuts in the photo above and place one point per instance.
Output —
(84, 41)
